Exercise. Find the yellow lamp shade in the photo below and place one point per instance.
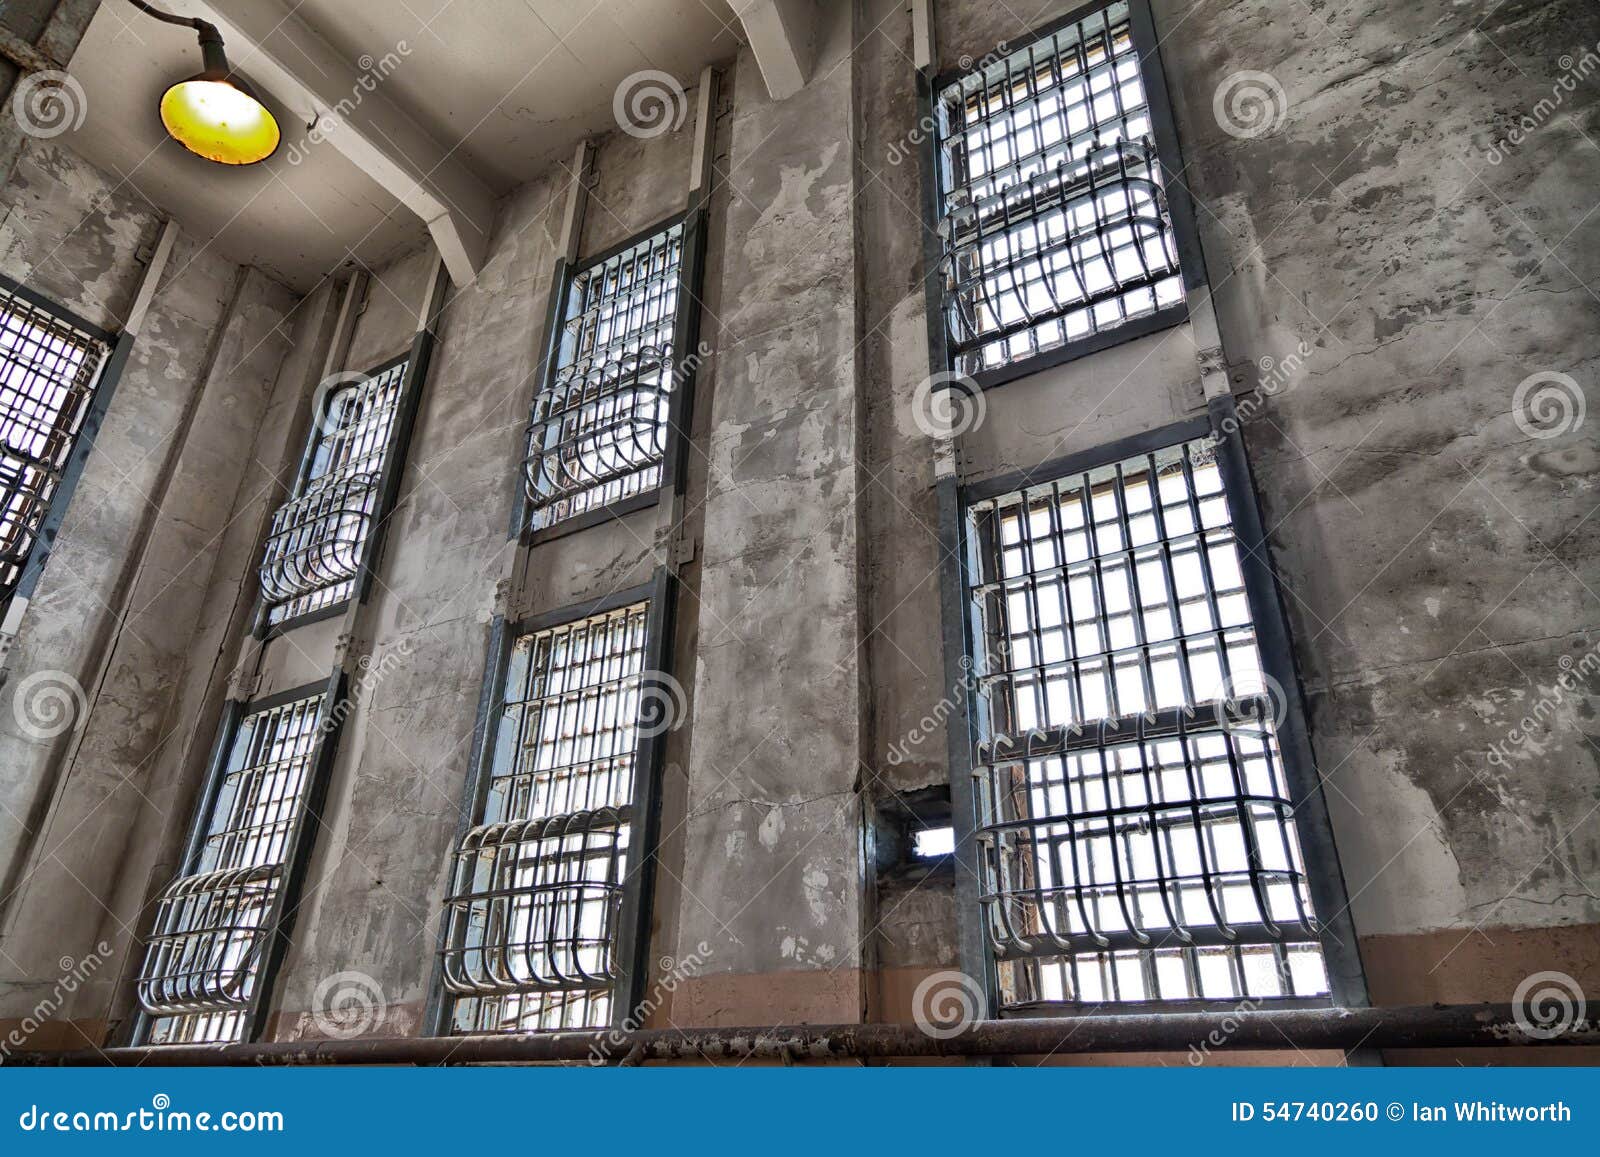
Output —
(219, 120)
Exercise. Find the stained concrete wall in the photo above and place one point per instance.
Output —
(117, 621)
(1436, 558)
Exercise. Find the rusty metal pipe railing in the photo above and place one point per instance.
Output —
(1417, 1026)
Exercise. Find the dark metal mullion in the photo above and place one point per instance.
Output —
(965, 730)
(279, 919)
(632, 948)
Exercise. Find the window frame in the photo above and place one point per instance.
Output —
(683, 370)
(1180, 207)
(632, 950)
(298, 842)
(962, 629)
(416, 360)
(113, 361)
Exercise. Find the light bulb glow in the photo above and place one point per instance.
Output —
(219, 121)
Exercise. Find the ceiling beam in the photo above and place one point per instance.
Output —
(282, 53)
(783, 35)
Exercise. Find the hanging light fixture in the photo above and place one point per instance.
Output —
(215, 114)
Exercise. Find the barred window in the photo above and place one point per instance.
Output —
(1054, 226)
(49, 370)
(313, 551)
(532, 922)
(599, 429)
(203, 961)
(1137, 833)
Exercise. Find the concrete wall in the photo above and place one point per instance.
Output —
(118, 623)
(1436, 556)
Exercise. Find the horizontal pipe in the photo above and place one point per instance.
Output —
(1416, 1026)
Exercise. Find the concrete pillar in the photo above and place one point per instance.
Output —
(773, 864)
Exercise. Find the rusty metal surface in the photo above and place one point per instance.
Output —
(1419, 1026)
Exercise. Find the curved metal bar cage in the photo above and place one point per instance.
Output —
(1134, 819)
(314, 550)
(314, 546)
(1054, 225)
(598, 431)
(49, 371)
(205, 953)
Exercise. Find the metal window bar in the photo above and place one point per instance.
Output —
(598, 434)
(204, 957)
(313, 551)
(532, 922)
(1054, 223)
(1136, 831)
(49, 370)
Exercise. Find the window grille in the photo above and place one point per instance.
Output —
(49, 371)
(1054, 226)
(1136, 831)
(204, 957)
(313, 551)
(533, 918)
(599, 429)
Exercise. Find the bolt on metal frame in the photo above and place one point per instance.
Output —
(1058, 233)
(221, 926)
(545, 923)
(609, 418)
(315, 547)
(55, 379)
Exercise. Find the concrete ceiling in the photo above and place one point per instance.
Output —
(502, 86)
